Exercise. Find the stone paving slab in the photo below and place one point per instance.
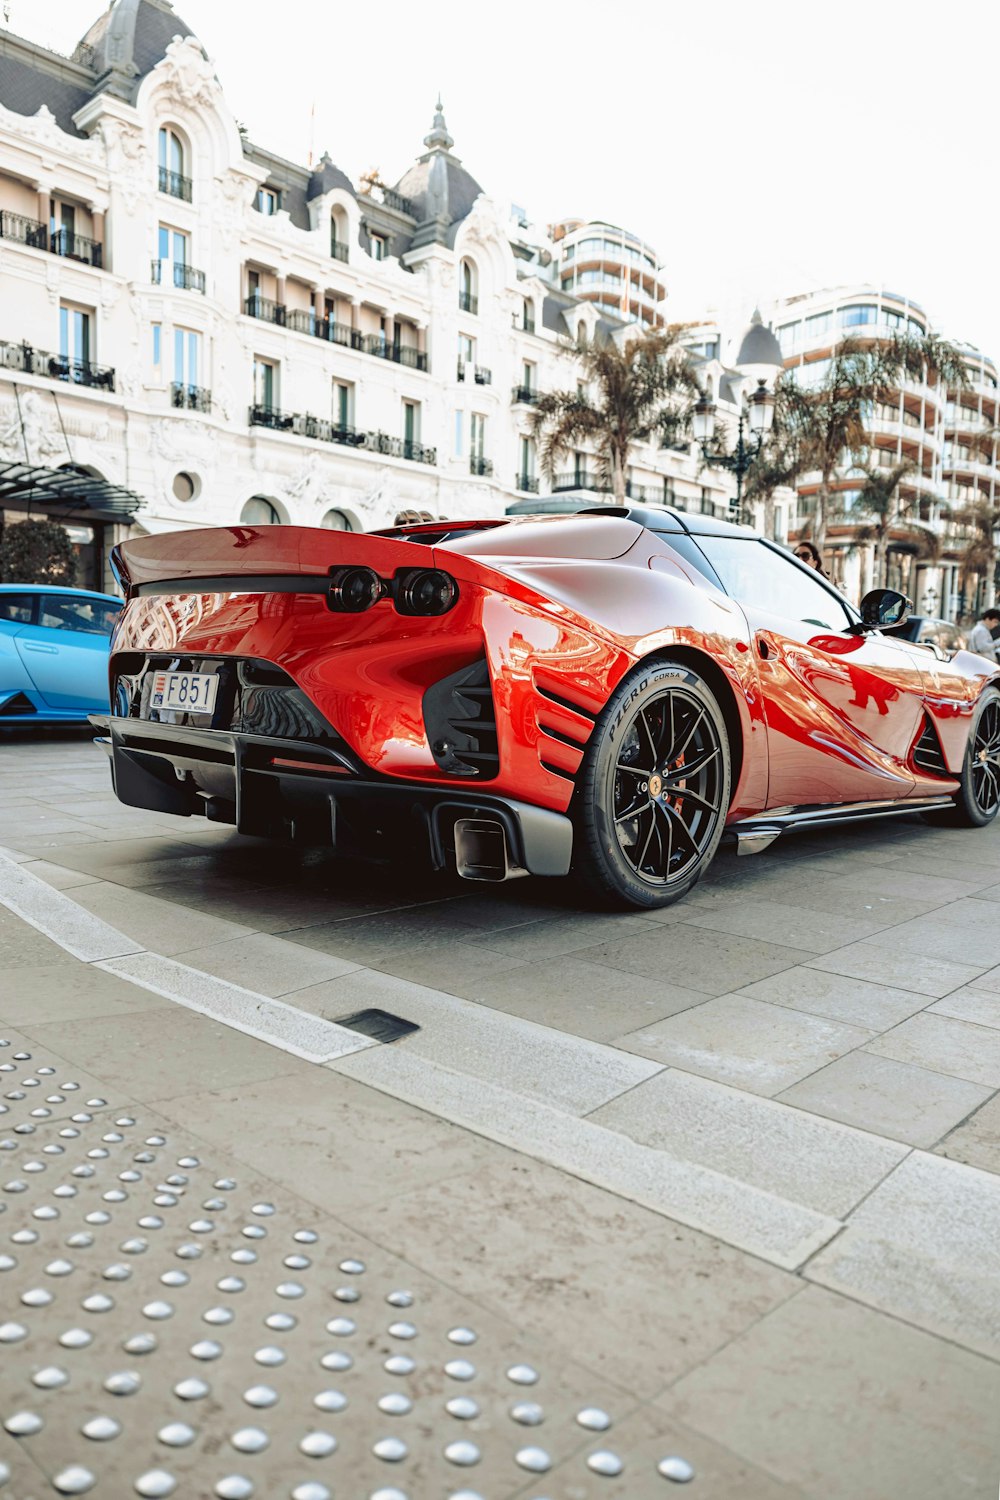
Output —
(855, 1002)
(759, 1047)
(850, 1405)
(892, 1098)
(778, 1230)
(977, 1140)
(925, 1246)
(826, 1166)
(944, 1045)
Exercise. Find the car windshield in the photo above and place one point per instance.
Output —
(759, 575)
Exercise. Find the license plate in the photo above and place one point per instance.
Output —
(189, 692)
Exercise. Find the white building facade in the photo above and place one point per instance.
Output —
(951, 493)
(211, 334)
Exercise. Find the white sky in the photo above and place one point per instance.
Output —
(763, 147)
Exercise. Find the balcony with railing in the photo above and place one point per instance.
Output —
(175, 184)
(25, 231)
(59, 242)
(468, 302)
(190, 397)
(267, 310)
(524, 395)
(76, 247)
(523, 321)
(526, 482)
(484, 375)
(32, 361)
(173, 273)
(580, 479)
(479, 465)
(377, 191)
(304, 424)
(338, 250)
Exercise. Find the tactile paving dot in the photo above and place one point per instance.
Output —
(225, 1262)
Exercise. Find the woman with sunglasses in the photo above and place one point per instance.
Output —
(808, 553)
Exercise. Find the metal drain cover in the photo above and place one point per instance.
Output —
(381, 1025)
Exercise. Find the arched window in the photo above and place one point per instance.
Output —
(581, 332)
(338, 234)
(335, 520)
(468, 287)
(173, 162)
(260, 512)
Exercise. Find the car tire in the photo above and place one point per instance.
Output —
(653, 789)
(977, 800)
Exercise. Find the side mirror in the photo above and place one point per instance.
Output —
(882, 608)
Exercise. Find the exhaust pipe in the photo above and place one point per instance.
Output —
(481, 851)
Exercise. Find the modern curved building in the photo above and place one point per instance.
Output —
(931, 427)
(611, 267)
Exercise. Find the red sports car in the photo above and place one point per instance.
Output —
(608, 693)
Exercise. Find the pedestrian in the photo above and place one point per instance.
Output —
(808, 553)
(981, 637)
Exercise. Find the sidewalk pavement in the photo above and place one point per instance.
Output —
(236, 1260)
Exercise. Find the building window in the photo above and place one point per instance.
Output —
(76, 344)
(187, 357)
(157, 346)
(335, 520)
(265, 383)
(411, 427)
(477, 435)
(171, 158)
(468, 287)
(267, 201)
(528, 315)
(526, 467)
(379, 246)
(466, 355)
(173, 246)
(343, 404)
(62, 226)
(260, 512)
(529, 373)
(855, 315)
(184, 486)
(707, 506)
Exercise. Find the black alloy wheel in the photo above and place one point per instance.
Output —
(977, 800)
(654, 788)
(985, 753)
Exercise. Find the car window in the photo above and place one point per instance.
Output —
(17, 607)
(78, 613)
(757, 574)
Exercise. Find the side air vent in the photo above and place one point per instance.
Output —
(461, 725)
(927, 753)
(19, 704)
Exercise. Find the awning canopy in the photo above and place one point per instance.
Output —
(72, 486)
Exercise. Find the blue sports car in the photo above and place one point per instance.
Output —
(53, 653)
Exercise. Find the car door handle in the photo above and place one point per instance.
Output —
(41, 648)
(766, 647)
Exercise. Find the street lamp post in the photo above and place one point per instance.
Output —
(758, 359)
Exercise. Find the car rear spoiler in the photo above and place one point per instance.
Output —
(249, 559)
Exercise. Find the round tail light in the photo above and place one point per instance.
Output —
(353, 590)
(425, 591)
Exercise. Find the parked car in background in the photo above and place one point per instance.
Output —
(927, 631)
(53, 653)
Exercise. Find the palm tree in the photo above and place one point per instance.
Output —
(642, 390)
(978, 557)
(879, 498)
(832, 417)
